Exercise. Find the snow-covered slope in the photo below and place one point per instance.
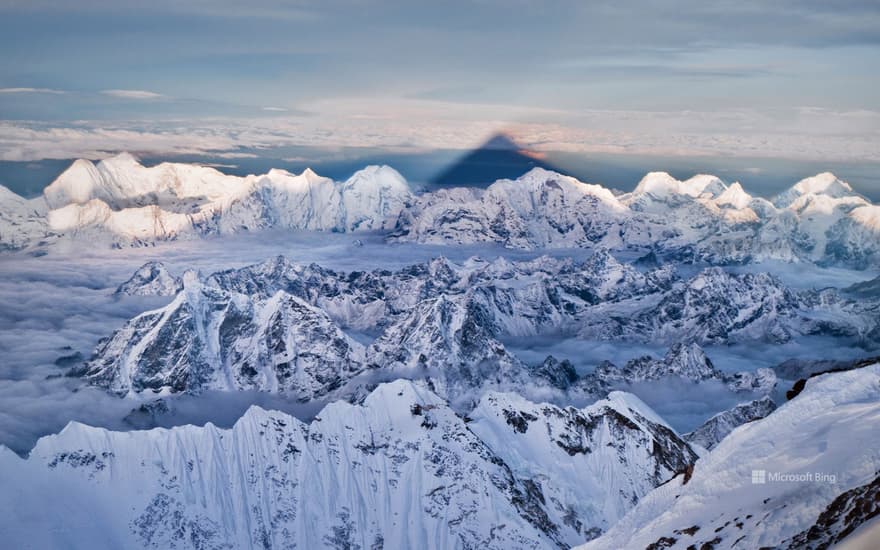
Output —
(604, 457)
(118, 201)
(819, 219)
(400, 470)
(804, 476)
(22, 222)
(121, 202)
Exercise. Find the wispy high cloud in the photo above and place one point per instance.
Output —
(132, 94)
(30, 91)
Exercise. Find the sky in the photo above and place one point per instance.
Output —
(790, 80)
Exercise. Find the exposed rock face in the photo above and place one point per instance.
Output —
(715, 306)
(211, 339)
(559, 374)
(347, 478)
(599, 298)
(448, 341)
(719, 426)
(840, 518)
(686, 361)
(278, 326)
(152, 279)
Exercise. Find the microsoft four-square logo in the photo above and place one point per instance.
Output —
(759, 476)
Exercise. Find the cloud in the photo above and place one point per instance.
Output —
(797, 133)
(275, 109)
(30, 91)
(23, 142)
(63, 302)
(132, 94)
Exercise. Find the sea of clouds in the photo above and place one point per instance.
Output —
(61, 304)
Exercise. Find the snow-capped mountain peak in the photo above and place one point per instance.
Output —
(74, 185)
(123, 203)
(382, 176)
(689, 361)
(151, 279)
(661, 185)
(734, 196)
(542, 180)
(617, 449)
(826, 184)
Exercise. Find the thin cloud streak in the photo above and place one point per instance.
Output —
(132, 94)
(31, 91)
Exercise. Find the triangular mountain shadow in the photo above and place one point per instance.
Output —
(500, 157)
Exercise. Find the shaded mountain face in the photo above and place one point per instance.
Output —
(499, 157)
(400, 470)
(719, 426)
(279, 327)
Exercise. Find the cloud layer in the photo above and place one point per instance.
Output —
(803, 133)
(62, 303)
(676, 79)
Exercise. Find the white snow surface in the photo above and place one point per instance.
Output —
(830, 428)
(401, 470)
(120, 202)
(820, 219)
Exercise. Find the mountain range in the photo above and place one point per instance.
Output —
(282, 327)
(424, 419)
(120, 202)
(403, 469)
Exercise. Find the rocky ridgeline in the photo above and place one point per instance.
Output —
(281, 327)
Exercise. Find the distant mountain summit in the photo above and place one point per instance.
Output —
(498, 158)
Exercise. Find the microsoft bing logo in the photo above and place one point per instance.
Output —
(759, 476)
